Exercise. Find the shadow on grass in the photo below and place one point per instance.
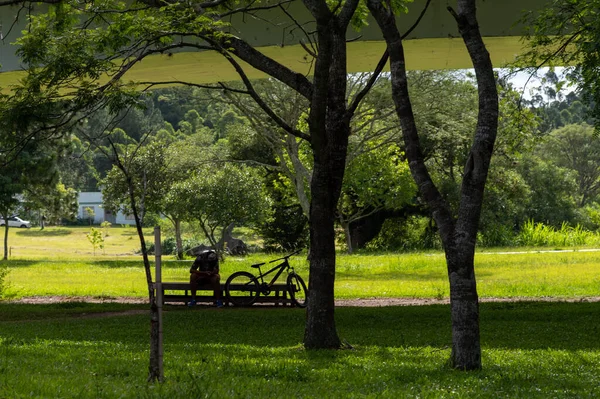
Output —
(432, 275)
(119, 264)
(126, 263)
(530, 350)
(108, 264)
(44, 233)
(21, 263)
(194, 363)
(522, 326)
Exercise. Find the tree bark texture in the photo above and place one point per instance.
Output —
(464, 308)
(329, 141)
(329, 125)
(458, 233)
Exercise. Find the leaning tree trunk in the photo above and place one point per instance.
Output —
(466, 352)
(154, 367)
(178, 241)
(458, 234)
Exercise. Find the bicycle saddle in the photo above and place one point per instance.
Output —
(257, 265)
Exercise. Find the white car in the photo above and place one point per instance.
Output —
(15, 221)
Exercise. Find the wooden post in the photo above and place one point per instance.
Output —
(159, 298)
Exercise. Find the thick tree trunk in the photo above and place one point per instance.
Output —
(320, 331)
(464, 305)
(329, 121)
(329, 129)
(458, 234)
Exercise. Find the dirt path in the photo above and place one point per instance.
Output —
(361, 302)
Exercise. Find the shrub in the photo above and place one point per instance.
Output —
(3, 284)
(152, 219)
(413, 233)
(286, 229)
(105, 226)
(75, 222)
(590, 216)
(96, 238)
(498, 235)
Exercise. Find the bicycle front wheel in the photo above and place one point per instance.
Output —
(242, 289)
(297, 289)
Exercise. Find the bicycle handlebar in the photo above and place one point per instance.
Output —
(287, 256)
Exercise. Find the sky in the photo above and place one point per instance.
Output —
(520, 80)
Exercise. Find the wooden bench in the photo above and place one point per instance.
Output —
(175, 292)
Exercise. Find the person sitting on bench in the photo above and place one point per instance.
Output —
(205, 269)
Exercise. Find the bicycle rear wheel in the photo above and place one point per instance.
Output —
(242, 289)
(297, 289)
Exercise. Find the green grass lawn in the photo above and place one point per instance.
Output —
(51, 271)
(71, 243)
(530, 350)
(78, 350)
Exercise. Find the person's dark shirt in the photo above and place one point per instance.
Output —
(204, 265)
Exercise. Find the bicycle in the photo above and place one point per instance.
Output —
(250, 286)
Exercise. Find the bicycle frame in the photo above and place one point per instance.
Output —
(285, 265)
(282, 266)
(253, 284)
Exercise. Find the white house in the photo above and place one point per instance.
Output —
(93, 200)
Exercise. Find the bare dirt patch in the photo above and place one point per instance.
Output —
(41, 300)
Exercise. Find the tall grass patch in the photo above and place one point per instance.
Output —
(540, 235)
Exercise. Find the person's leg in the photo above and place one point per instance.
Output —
(215, 281)
(193, 287)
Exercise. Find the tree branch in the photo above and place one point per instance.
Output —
(255, 58)
(22, 2)
(250, 10)
(313, 50)
(319, 10)
(412, 145)
(381, 65)
(280, 122)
